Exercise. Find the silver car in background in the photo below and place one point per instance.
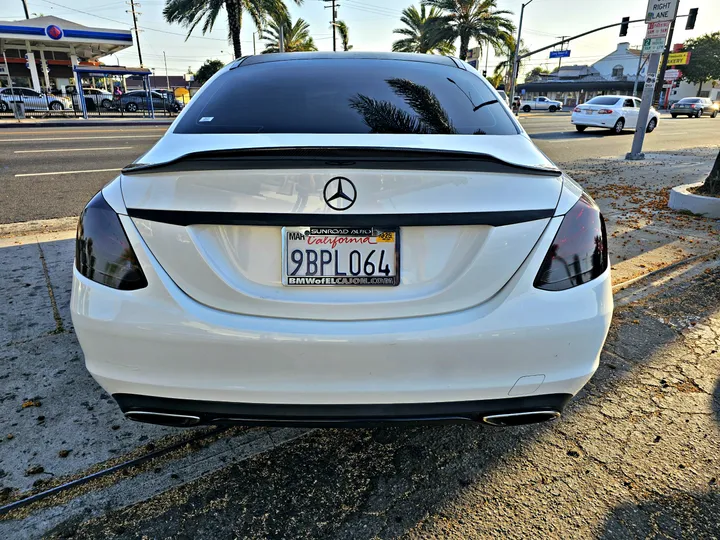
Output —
(34, 101)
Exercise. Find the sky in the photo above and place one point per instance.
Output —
(371, 27)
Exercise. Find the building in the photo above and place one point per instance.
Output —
(161, 81)
(612, 74)
(622, 64)
(40, 53)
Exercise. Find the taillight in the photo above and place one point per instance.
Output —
(577, 109)
(692, 106)
(579, 250)
(605, 111)
(102, 249)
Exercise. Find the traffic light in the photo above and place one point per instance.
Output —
(691, 19)
(624, 26)
(484, 73)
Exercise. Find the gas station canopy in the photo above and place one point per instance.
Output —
(61, 46)
(53, 33)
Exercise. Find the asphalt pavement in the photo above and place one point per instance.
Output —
(50, 173)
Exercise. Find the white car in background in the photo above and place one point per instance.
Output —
(504, 96)
(615, 113)
(324, 257)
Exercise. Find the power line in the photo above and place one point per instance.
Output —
(372, 11)
(124, 23)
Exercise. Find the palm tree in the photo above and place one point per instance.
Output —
(505, 67)
(190, 13)
(344, 35)
(426, 33)
(296, 36)
(479, 19)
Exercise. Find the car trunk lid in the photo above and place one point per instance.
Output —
(465, 222)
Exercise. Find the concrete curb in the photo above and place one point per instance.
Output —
(682, 199)
(83, 123)
(15, 231)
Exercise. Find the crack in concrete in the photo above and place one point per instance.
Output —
(59, 328)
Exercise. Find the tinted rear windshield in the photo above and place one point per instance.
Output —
(603, 101)
(347, 96)
(690, 100)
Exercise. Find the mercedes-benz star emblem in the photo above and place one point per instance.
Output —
(340, 193)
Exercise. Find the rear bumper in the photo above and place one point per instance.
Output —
(604, 121)
(159, 343)
(184, 412)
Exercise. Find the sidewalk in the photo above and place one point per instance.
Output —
(77, 122)
(644, 234)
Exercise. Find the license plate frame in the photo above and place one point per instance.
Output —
(362, 280)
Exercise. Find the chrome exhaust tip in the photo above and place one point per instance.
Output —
(521, 418)
(163, 419)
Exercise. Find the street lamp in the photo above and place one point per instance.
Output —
(516, 62)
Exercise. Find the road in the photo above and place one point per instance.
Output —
(52, 172)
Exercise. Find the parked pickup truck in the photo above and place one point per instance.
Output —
(540, 104)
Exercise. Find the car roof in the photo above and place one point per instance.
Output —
(350, 56)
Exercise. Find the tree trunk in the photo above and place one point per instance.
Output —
(699, 89)
(464, 42)
(712, 182)
(234, 13)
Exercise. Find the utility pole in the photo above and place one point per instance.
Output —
(663, 66)
(25, 7)
(254, 52)
(656, 13)
(334, 17)
(561, 48)
(167, 78)
(516, 62)
(487, 56)
(137, 32)
(641, 63)
(281, 45)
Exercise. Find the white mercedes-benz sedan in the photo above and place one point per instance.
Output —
(342, 239)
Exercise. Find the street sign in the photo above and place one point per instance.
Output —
(672, 74)
(657, 30)
(661, 10)
(559, 54)
(473, 63)
(3, 71)
(678, 59)
(653, 45)
(473, 53)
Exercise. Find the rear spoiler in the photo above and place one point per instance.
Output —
(323, 157)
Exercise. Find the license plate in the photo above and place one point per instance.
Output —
(340, 256)
(588, 111)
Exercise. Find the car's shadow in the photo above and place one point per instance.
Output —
(595, 134)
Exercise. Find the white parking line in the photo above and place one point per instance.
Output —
(82, 138)
(65, 172)
(71, 150)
